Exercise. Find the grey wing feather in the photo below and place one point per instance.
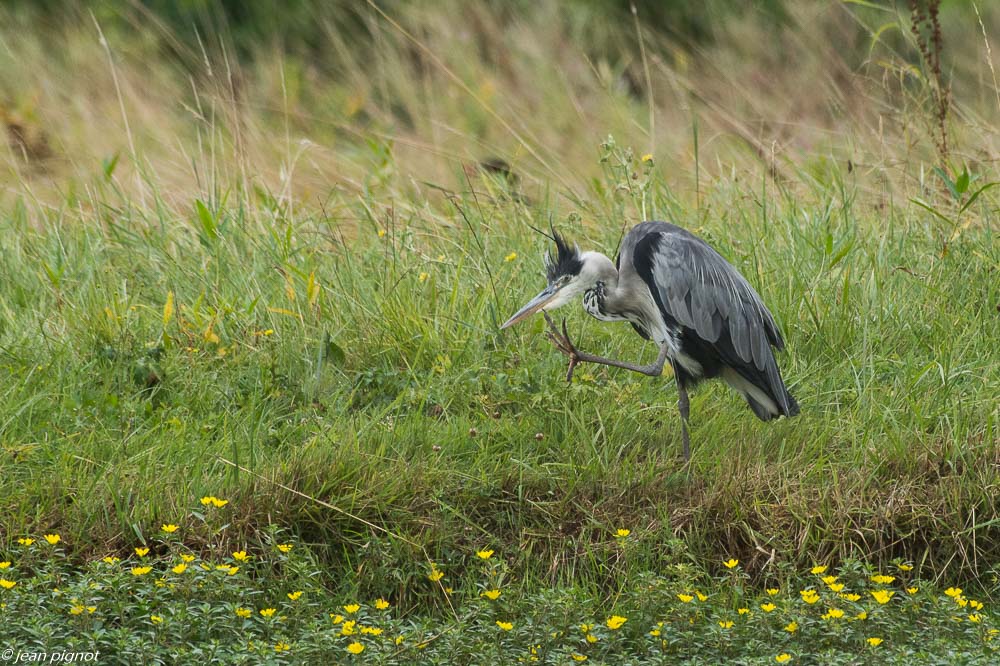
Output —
(702, 291)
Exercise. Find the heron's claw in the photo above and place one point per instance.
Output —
(563, 344)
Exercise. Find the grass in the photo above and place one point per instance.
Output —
(201, 303)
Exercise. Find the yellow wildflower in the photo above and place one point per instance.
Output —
(142, 552)
(295, 595)
(241, 556)
(579, 657)
(155, 619)
(267, 612)
(423, 277)
(347, 629)
(492, 595)
(381, 233)
(768, 607)
(686, 598)
(285, 547)
(975, 605)
(506, 626)
(836, 587)
(484, 554)
(772, 591)
(355, 647)
(381, 604)
(622, 533)
(792, 627)
(169, 528)
(654, 632)
(180, 568)
(219, 503)
(726, 624)
(730, 563)
(591, 638)
(906, 567)
(647, 157)
(911, 590)
(7, 584)
(337, 619)
(882, 580)
(701, 597)
(783, 657)
(742, 611)
(818, 569)
(510, 257)
(829, 579)
(809, 596)
(373, 631)
(53, 539)
(187, 558)
(616, 621)
(975, 618)
(874, 641)
(282, 647)
(850, 596)
(26, 541)
(352, 608)
(110, 559)
(833, 614)
(76, 610)
(863, 615)
(243, 612)
(435, 575)
(954, 591)
(141, 571)
(883, 596)
(4, 565)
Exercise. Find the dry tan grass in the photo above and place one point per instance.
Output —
(446, 93)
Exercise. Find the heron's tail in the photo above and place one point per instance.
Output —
(769, 408)
(762, 395)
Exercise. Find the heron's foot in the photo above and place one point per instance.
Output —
(561, 341)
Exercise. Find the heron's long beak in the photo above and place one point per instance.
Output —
(533, 306)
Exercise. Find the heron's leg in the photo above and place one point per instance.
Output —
(684, 405)
(565, 345)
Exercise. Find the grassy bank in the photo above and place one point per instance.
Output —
(279, 280)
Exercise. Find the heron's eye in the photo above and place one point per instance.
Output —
(564, 280)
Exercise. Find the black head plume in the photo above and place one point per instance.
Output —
(567, 260)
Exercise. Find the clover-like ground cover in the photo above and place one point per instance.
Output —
(164, 603)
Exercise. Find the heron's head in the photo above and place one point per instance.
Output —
(569, 274)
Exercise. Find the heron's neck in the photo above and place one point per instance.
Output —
(600, 298)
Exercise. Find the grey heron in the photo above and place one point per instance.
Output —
(676, 290)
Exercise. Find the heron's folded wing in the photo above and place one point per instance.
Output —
(700, 290)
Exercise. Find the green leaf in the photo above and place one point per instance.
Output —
(926, 206)
(949, 183)
(841, 253)
(975, 195)
(207, 221)
(962, 182)
(108, 165)
(334, 353)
